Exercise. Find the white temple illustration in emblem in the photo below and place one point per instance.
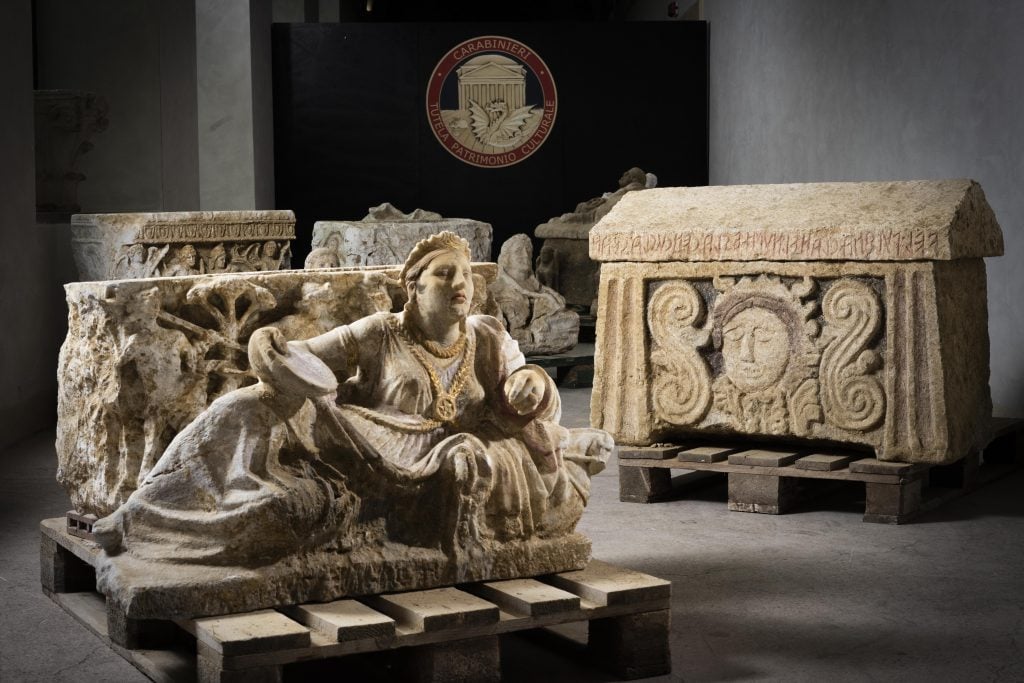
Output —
(493, 114)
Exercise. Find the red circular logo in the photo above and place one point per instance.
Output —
(491, 101)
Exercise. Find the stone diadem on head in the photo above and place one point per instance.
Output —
(427, 249)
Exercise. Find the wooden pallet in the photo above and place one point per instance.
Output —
(444, 634)
(769, 480)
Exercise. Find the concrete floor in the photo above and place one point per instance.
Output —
(813, 595)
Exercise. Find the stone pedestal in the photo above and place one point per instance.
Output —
(849, 312)
(116, 246)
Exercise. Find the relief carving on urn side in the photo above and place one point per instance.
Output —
(851, 394)
(766, 332)
(768, 355)
(681, 387)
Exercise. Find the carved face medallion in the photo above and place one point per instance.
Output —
(755, 348)
(491, 101)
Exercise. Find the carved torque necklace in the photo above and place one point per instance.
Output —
(445, 402)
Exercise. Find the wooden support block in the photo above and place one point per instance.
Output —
(873, 466)
(962, 474)
(823, 463)
(61, 571)
(527, 597)
(605, 585)
(644, 484)
(892, 503)
(344, 620)
(252, 632)
(209, 669)
(705, 454)
(633, 646)
(763, 458)
(435, 610)
(137, 634)
(761, 493)
(469, 660)
(665, 452)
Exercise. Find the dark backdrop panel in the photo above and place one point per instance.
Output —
(350, 125)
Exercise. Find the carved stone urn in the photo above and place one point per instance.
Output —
(850, 313)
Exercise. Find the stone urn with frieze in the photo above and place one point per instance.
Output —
(852, 313)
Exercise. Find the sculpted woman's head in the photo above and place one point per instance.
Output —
(438, 278)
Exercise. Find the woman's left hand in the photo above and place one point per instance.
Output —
(524, 390)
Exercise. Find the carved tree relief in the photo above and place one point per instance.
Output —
(851, 395)
(681, 387)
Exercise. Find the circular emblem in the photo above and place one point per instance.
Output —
(491, 101)
(444, 408)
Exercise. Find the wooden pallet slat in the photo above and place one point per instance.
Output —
(527, 597)
(345, 620)
(821, 462)
(260, 631)
(763, 458)
(607, 584)
(705, 454)
(435, 610)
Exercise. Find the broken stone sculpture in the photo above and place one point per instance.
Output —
(65, 121)
(120, 246)
(848, 312)
(375, 451)
(534, 314)
(385, 235)
(564, 250)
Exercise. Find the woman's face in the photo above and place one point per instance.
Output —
(445, 287)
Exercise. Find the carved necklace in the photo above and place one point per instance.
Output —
(445, 402)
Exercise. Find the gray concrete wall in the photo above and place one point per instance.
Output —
(818, 90)
(236, 144)
(27, 371)
(140, 56)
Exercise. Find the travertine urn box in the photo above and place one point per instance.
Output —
(118, 246)
(851, 313)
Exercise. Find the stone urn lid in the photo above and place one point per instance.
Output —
(919, 220)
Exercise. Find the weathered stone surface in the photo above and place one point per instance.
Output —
(891, 353)
(563, 263)
(878, 221)
(534, 314)
(378, 451)
(117, 246)
(385, 235)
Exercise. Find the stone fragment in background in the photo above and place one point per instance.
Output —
(120, 246)
(563, 263)
(849, 312)
(385, 235)
(534, 314)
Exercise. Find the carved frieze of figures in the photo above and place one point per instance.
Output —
(748, 354)
(129, 246)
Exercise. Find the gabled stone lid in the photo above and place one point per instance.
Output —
(875, 221)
